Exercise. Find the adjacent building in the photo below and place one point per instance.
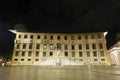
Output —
(114, 50)
(114, 53)
(36, 48)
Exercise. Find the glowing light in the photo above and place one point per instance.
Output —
(105, 33)
(13, 31)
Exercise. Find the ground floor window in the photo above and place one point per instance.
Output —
(66, 54)
(15, 59)
(103, 59)
(36, 59)
(95, 59)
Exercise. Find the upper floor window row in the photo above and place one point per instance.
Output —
(26, 36)
(72, 37)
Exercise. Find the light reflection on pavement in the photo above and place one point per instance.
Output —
(60, 73)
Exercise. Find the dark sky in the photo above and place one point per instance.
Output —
(58, 16)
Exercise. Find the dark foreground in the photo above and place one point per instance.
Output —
(60, 73)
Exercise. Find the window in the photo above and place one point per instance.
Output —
(80, 54)
(87, 46)
(15, 59)
(72, 37)
(100, 46)
(45, 36)
(25, 36)
(30, 46)
(37, 54)
(99, 36)
(24, 46)
(72, 47)
(38, 36)
(65, 38)
(102, 53)
(95, 59)
(102, 59)
(94, 54)
(92, 36)
(22, 59)
(88, 54)
(51, 46)
(80, 46)
(73, 54)
(29, 53)
(58, 46)
(66, 47)
(79, 37)
(51, 54)
(37, 46)
(36, 59)
(93, 46)
(44, 46)
(31, 36)
(58, 37)
(51, 37)
(81, 60)
(29, 59)
(23, 53)
(66, 54)
(18, 46)
(17, 53)
(44, 54)
(19, 36)
(86, 37)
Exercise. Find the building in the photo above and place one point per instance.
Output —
(34, 48)
(114, 53)
(114, 50)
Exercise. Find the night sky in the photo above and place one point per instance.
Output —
(58, 16)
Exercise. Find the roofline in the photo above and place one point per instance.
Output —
(114, 48)
(114, 45)
(15, 32)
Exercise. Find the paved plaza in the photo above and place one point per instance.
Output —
(60, 73)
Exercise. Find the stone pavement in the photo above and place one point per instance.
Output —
(60, 73)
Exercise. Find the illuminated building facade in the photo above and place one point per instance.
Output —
(114, 54)
(114, 50)
(33, 48)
